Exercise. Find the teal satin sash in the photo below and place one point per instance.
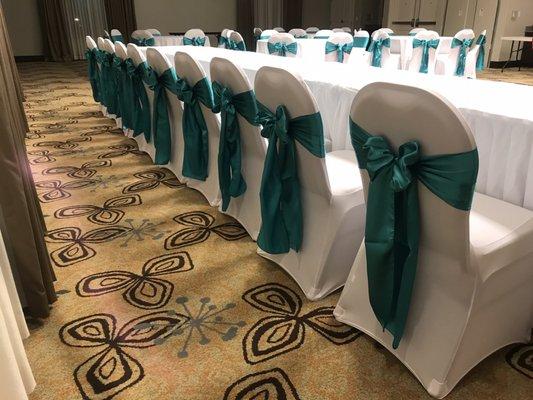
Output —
(264, 36)
(301, 36)
(376, 48)
(230, 179)
(119, 96)
(392, 218)
(162, 134)
(195, 133)
(480, 61)
(117, 38)
(145, 42)
(426, 45)
(282, 48)
(142, 121)
(94, 73)
(461, 60)
(361, 42)
(239, 46)
(195, 41)
(224, 42)
(341, 49)
(281, 208)
(108, 83)
(321, 37)
(126, 96)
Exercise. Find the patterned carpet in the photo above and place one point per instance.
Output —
(511, 75)
(163, 297)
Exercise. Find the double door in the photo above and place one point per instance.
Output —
(404, 15)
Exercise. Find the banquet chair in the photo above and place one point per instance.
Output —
(135, 36)
(106, 35)
(116, 36)
(138, 58)
(104, 50)
(92, 56)
(279, 29)
(475, 59)
(298, 33)
(283, 44)
(312, 30)
(332, 203)
(236, 41)
(267, 33)
(380, 48)
(335, 30)
(257, 33)
(360, 40)
(414, 31)
(246, 207)
(338, 47)
(224, 38)
(195, 37)
(323, 34)
(454, 63)
(388, 30)
(145, 38)
(347, 29)
(154, 32)
(124, 82)
(359, 55)
(191, 72)
(472, 293)
(109, 47)
(424, 56)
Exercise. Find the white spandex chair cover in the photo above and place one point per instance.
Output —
(246, 208)
(91, 44)
(416, 56)
(359, 55)
(414, 31)
(144, 35)
(279, 29)
(338, 30)
(136, 34)
(472, 293)
(447, 64)
(16, 378)
(237, 38)
(257, 32)
(122, 52)
(225, 34)
(115, 33)
(312, 29)
(347, 29)
(286, 38)
(197, 33)
(191, 71)
(323, 34)
(389, 60)
(388, 30)
(138, 57)
(471, 58)
(339, 38)
(332, 196)
(106, 35)
(267, 33)
(298, 33)
(108, 46)
(154, 32)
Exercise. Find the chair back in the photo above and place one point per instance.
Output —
(298, 33)
(361, 39)
(91, 44)
(418, 52)
(400, 114)
(285, 39)
(414, 31)
(116, 36)
(347, 29)
(472, 62)
(145, 37)
(312, 30)
(279, 29)
(453, 55)
(323, 34)
(388, 30)
(197, 33)
(100, 43)
(257, 32)
(225, 34)
(339, 38)
(337, 30)
(121, 51)
(236, 41)
(135, 54)
(109, 47)
(274, 87)
(154, 32)
(136, 34)
(380, 34)
(106, 35)
(267, 33)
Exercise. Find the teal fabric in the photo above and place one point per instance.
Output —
(301, 36)
(376, 48)
(282, 49)
(266, 36)
(146, 42)
(463, 51)
(119, 96)
(125, 90)
(361, 42)
(223, 42)
(230, 179)
(240, 46)
(392, 219)
(195, 133)
(321, 37)
(426, 45)
(480, 61)
(195, 41)
(162, 134)
(108, 83)
(141, 119)
(117, 38)
(281, 207)
(340, 49)
(91, 55)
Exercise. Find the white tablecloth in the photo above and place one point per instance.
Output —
(499, 114)
(170, 40)
(308, 49)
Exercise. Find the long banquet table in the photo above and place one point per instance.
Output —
(499, 114)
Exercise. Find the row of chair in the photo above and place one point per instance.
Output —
(306, 208)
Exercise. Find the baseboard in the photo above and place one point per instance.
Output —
(28, 58)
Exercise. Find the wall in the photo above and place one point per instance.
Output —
(181, 15)
(507, 26)
(24, 27)
(316, 13)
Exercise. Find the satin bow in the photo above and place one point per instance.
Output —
(480, 61)
(223, 42)
(281, 208)
(108, 83)
(125, 96)
(426, 45)
(195, 41)
(461, 59)
(233, 45)
(376, 48)
(118, 66)
(392, 219)
(146, 42)
(282, 48)
(341, 49)
(117, 38)
(94, 72)
(140, 113)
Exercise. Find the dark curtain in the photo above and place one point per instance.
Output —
(21, 219)
(292, 14)
(120, 15)
(245, 22)
(55, 38)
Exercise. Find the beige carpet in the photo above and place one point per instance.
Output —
(510, 75)
(163, 297)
